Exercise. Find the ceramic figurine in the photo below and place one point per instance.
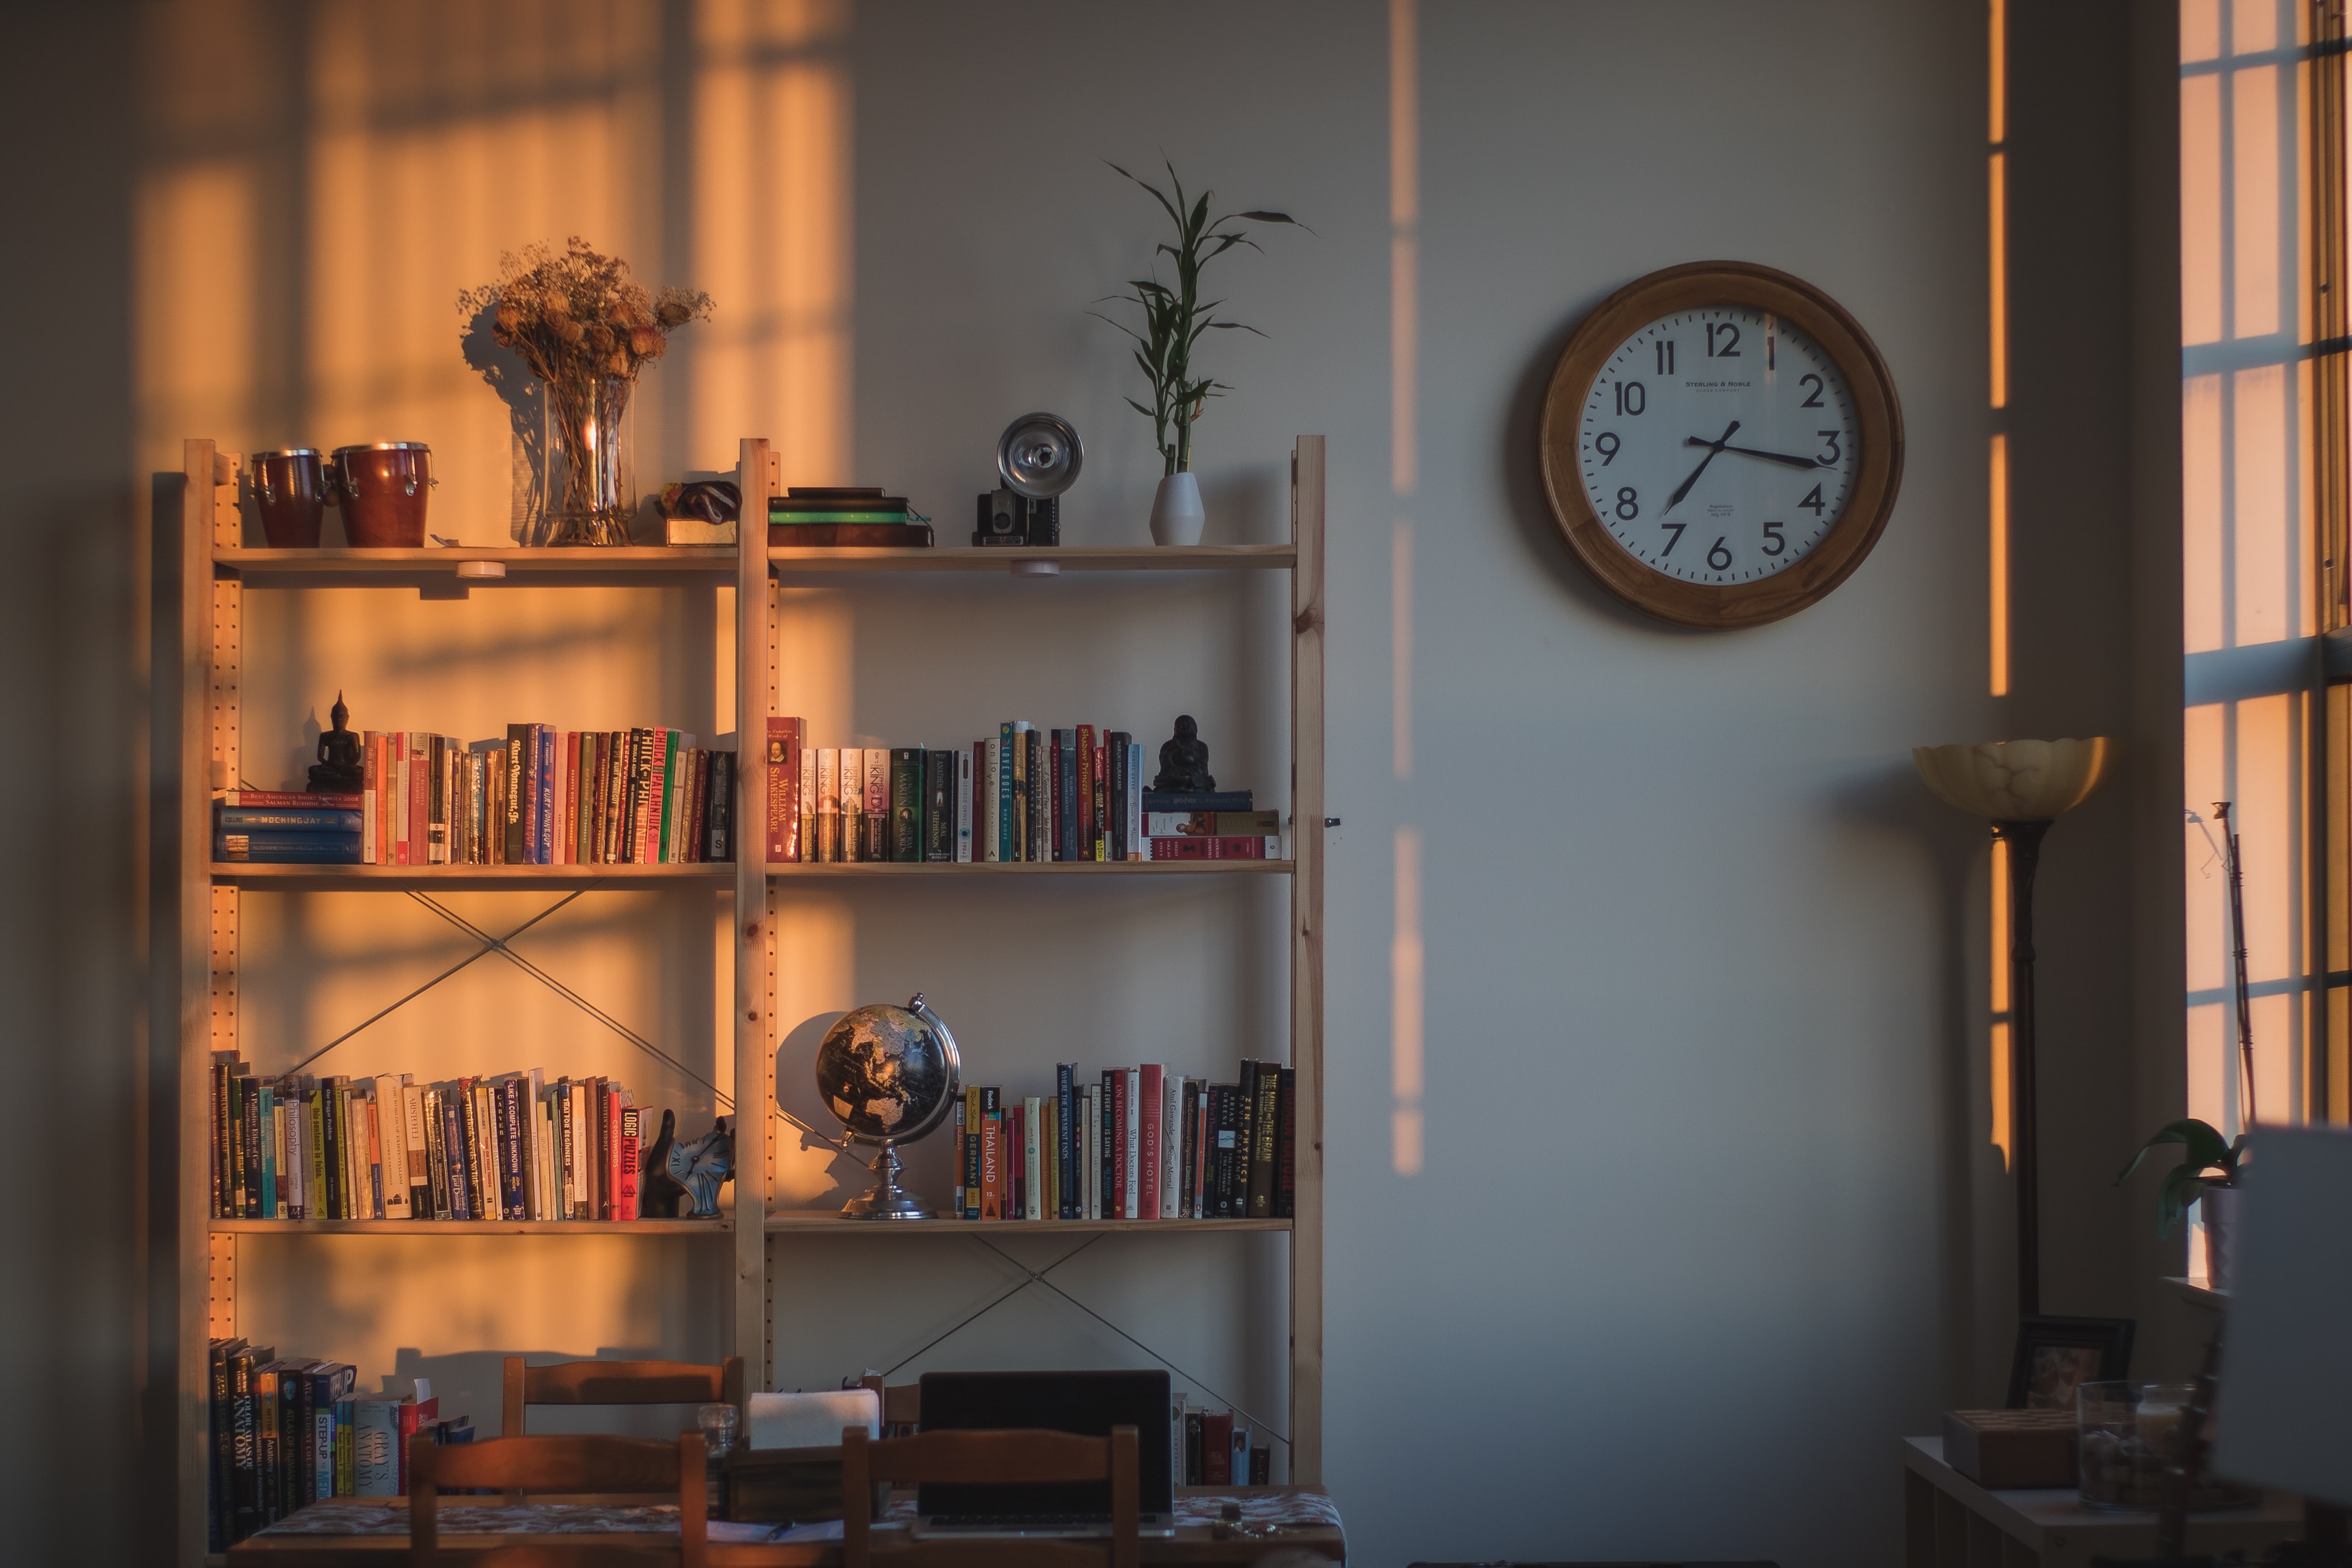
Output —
(1184, 760)
(659, 1192)
(341, 767)
(700, 1166)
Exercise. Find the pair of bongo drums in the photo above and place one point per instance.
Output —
(380, 489)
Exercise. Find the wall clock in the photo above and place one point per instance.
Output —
(1721, 444)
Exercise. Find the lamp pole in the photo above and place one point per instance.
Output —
(2025, 841)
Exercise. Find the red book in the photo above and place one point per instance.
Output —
(287, 797)
(1086, 801)
(784, 760)
(626, 1207)
(417, 1415)
(1104, 805)
(1149, 1117)
(1204, 847)
(1217, 1449)
(568, 851)
(991, 1165)
(611, 1150)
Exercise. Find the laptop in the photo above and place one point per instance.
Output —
(1087, 1402)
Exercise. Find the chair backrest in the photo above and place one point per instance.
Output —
(617, 1382)
(990, 1457)
(587, 1464)
(902, 1405)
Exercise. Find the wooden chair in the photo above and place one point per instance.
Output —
(902, 1405)
(617, 1382)
(558, 1464)
(1022, 1455)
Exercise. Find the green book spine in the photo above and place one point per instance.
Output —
(789, 518)
(905, 802)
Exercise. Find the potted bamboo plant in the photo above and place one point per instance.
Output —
(1174, 320)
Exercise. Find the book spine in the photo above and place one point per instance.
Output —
(1083, 805)
(1131, 1194)
(1089, 1157)
(877, 802)
(666, 825)
(323, 801)
(266, 1145)
(1114, 746)
(436, 1156)
(626, 1207)
(1264, 1136)
(544, 794)
(938, 805)
(391, 1131)
(291, 819)
(518, 846)
(971, 1153)
(1061, 749)
(1032, 1169)
(828, 804)
(956, 1143)
(1244, 1129)
(1170, 1152)
(1152, 1107)
(1188, 1169)
(1039, 845)
(907, 805)
(1003, 764)
(457, 1104)
(1132, 806)
(720, 844)
(245, 1457)
(849, 773)
(1216, 1449)
(1286, 1148)
(1110, 1098)
(420, 1178)
(1066, 1128)
(220, 1140)
(287, 849)
(966, 764)
(513, 1150)
(992, 1158)
(418, 747)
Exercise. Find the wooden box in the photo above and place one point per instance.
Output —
(1999, 1450)
(794, 1485)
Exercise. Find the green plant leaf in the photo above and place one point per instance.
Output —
(2205, 1146)
(2182, 1187)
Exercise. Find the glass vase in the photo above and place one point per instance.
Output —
(591, 493)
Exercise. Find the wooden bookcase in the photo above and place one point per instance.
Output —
(202, 572)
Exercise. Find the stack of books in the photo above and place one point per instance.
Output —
(1213, 1449)
(1024, 794)
(1143, 1142)
(511, 1147)
(290, 827)
(540, 796)
(286, 1431)
(817, 516)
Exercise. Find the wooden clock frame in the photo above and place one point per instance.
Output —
(1878, 416)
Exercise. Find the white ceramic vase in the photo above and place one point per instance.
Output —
(1176, 515)
(2216, 1207)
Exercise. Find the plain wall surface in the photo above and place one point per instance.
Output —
(1705, 1213)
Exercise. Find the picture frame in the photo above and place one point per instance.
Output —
(2055, 1354)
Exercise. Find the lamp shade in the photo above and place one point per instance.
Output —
(2016, 781)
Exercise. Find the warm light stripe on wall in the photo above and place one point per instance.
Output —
(1997, 183)
(1998, 487)
(1405, 1007)
(1997, 72)
(1404, 241)
(2001, 1041)
(1401, 646)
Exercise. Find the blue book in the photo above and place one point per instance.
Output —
(1198, 800)
(545, 854)
(286, 819)
(287, 849)
(1004, 824)
(453, 1135)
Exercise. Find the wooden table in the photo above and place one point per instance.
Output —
(372, 1532)
(1950, 1521)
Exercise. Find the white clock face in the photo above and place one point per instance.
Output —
(1718, 445)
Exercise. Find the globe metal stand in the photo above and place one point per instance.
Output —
(888, 1200)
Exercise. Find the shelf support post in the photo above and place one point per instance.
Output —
(754, 1125)
(1306, 611)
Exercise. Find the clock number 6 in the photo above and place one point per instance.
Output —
(1717, 556)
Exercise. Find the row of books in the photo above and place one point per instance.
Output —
(1142, 1143)
(510, 1147)
(539, 797)
(1024, 794)
(810, 515)
(1215, 1447)
(286, 1431)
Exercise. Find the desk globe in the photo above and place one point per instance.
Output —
(890, 1075)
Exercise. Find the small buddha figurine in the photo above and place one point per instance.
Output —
(1184, 760)
(341, 767)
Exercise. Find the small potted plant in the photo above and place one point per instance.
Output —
(2208, 1177)
(1175, 320)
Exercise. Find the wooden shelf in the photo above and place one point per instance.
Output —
(785, 873)
(322, 568)
(808, 1222)
(1106, 558)
(471, 1227)
(2197, 1293)
(331, 878)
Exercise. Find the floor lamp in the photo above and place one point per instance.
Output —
(2021, 787)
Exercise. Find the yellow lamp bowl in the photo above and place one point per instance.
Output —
(2017, 781)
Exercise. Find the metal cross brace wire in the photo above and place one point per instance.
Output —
(489, 944)
(1037, 1276)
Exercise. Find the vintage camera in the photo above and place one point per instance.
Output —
(1037, 459)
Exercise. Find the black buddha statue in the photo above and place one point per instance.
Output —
(341, 767)
(1184, 760)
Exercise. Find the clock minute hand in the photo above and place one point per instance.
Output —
(1790, 459)
(1712, 449)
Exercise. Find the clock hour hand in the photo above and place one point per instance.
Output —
(1712, 449)
(1791, 459)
